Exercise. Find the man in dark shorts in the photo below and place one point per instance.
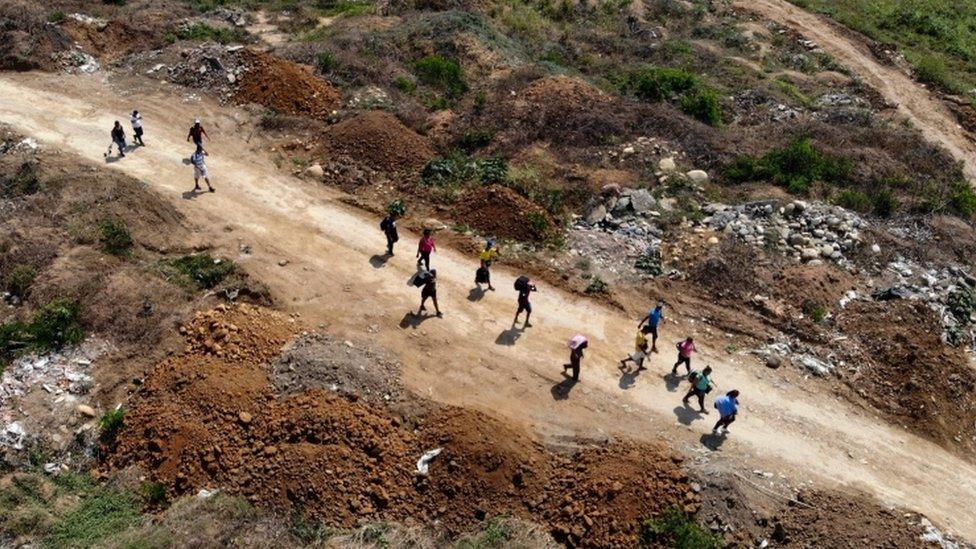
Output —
(701, 385)
(653, 318)
(429, 291)
(136, 120)
(196, 134)
(118, 139)
(388, 225)
(524, 304)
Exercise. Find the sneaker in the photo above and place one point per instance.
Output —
(528, 324)
(213, 190)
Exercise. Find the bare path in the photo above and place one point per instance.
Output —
(921, 106)
(473, 357)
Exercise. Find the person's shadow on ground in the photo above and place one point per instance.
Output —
(687, 415)
(112, 159)
(413, 320)
(186, 162)
(191, 194)
(379, 261)
(510, 336)
(476, 294)
(672, 382)
(713, 441)
(561, 390)
(628, 377)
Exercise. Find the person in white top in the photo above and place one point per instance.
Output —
(200, 170)
(136, 120)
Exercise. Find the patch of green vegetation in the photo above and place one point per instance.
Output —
(457, 169)
(493, 170)
(53, 327)
(114, 236)
(346, 8)
(397, 208)
(18, 281)
(816, 311)
(201, 270)
(496, 533)
(853, 199)
(660, 83)
(679, 530)
(525, 21)
(597, 286)
(441, 73)
(884, 203)
(100, 514)
(405, 85)
(24, 182)
(791, 90)
(796, 167)
(475, 139)
(703, 105)
(109, 426)
(326, 61)
(56, 16)
(962, 199)
(154, 493)
(203, 31)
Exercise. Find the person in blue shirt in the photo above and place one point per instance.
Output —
(727, 406)
(653, 318)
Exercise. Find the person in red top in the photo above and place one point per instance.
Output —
(685, 350)
(424, 249)
(196, 134)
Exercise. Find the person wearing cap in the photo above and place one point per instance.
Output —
(196, 134)
(136, 120)
(487, 256)
(429, 291)
(654, 317)
(576, 345)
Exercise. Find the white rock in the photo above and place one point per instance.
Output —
(667, 165)
(698, 177)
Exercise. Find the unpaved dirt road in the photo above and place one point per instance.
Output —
(922, 107)
(473, 357)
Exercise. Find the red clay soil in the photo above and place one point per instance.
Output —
(908, 374)
(502, 212)
(378, 140)
(286, 87)
(204, 422)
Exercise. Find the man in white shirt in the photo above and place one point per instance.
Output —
(200, 170)
(136, 120)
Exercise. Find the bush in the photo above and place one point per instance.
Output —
(24, 182)
(154, 493)
(18, 281)
(884, 203)
(796, 167)
(703, 105)
(53, 327)
(326, 61)
(659, 84)
(203, 270)
(597, 286)
(405, 85)
(114, 236)
(57, 16)
(473, 140)
(397, 208)
(99, 515)
(962, 199)
(110, 425)
(933, 70)
(853, 199)
(493, 170)
(679, 530)
(203, 31)
(443, 74)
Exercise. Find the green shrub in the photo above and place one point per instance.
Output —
(18, 281)
(203, 270)
(679, 530)
(57, 16)
(497, 533)
(539, 222)
(405, 85)
(473, 140)
(597, 286)
(962, 199)
(885, 203)
(815, 311)
(24, 182)
(933, 70)
(796, 167)
(443, 74)
(109, 426)
(659, 84)
(326, 61)
(203, 31)
(154, 493)
(105, 512)
(457, 169)
(397, 208)
(114, 236)
(703, 105)
(493, 170)
(53, 327)
(853, 199)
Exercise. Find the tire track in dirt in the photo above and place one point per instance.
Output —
(921, 106)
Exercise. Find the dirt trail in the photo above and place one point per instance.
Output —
(473, 357)
(922, 107)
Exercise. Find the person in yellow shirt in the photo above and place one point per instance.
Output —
(640, 349)
(484, 272)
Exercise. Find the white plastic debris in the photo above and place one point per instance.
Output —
(423, 464)
(206, 494)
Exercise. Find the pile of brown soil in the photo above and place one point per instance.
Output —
(201, 421)
(377, 139)
(241, 333)
(502, 212)
(822, 285)
(909, 374)
(286, 87)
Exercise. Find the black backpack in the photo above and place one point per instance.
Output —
(420, 279)
(522, 284)
(385, 224)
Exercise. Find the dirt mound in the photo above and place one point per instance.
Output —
(908, 373)
(286, 87)
(239, 333)
(502, 212)
(27, 40)
(822, 285)
(562, 92)
(378, 140)
(201, 421)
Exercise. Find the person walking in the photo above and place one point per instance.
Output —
(685, 349)
(200, 170)
(425, 247)
(136, 120)
(727, 406)
(640, 349)
(654, 317)
(118, 139)
(701, 385)
(429, 292)
(389, 228)
(197, 134)
(576, 345)
(524, 287)
(487, 256)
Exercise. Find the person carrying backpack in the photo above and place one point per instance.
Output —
(389, 228)
(136, 120)
(429, 291)
(483, 274)
(524, 287)
(425, 247)
(728, 407)
(653, 318)
(701, 385)
(685, 350)
(640, 349)
(576, 345)
(118, 139)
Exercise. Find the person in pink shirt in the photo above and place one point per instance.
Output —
(685, 350)
(424, 249)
